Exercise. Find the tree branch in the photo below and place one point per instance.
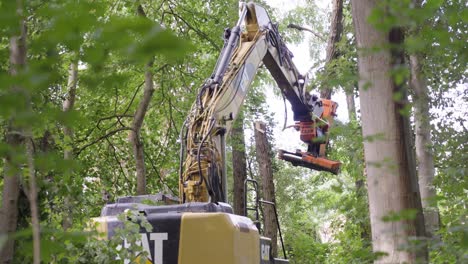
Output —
(133, 97)
(122, 171)
(78, 152)
(200, 33)
(301, 28)
(161, 180)
(110, 117)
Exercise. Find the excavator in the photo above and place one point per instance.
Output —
(201, 227)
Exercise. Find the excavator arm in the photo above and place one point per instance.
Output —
(203, 229)
(253, 41)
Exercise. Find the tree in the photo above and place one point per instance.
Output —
(134, 134)
(423, 142)
(390, 179)
(14, 138)
(67, 106)
(23, 149)
(336, 29)
(424, 146)
(263, 150)
(239, 164)
(32, 108)
(72, 138)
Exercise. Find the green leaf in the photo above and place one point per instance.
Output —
(135, 38)
(433, 4)
(406, 214)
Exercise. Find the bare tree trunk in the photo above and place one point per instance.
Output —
(336, 29)
(359, 182)
(239, 164)
(9, 212)
(69, 103)
(14, 138)
(134, 135)
(67, 106)
(33, 196)
(391, 185)
(351, 105)
(19, 50)
(424, 146)
(423, 140)
(268, 187)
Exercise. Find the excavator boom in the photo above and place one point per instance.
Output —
(253, 41)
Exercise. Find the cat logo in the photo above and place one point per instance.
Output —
(155, 257)
(265, 252)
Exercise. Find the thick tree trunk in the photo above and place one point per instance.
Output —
(67, 106)
(9, 212)
(239, 164)
(336, 29)
(424, 146)
(391, 184)
(268, 187)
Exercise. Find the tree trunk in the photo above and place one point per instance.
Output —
(424, 146)
(239, 164)
(351, 105)
(268, 187)
(391, 184)
(9, 213)
(336, 29)
(33, 195)
(67, 106)
(20, 46)
(359, 182)
(134, 135)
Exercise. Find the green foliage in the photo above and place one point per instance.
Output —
(325, 217)
(449, 136)
(54, 244)
(436, 29)
(436, 32)
(112, 45)
(124, 245)
(340, 72)
(407, 214)
(310, 16)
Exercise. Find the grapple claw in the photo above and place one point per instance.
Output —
(305, 159)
